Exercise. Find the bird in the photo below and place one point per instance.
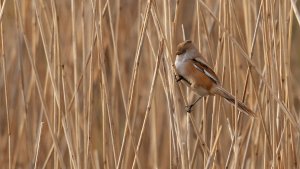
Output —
(193, 70)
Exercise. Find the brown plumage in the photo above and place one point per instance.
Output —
(193, 69)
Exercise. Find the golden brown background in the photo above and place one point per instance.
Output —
(90, 84)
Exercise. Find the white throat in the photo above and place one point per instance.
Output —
(180, 63)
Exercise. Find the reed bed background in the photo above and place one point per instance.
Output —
(90, 84)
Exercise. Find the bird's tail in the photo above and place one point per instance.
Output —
(230, 98)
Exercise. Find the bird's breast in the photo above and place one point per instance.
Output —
(180, 65)
(198, 80)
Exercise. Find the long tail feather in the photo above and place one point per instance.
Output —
(230, 98)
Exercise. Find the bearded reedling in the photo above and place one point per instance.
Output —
(196, 74)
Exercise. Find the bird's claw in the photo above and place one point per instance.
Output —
(188, 108)
(178, 78)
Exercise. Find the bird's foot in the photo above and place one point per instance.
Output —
(178, 78)
(189, 108)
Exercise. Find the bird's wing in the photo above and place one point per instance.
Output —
(203, 67)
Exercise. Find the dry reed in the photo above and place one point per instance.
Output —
(90, 84)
